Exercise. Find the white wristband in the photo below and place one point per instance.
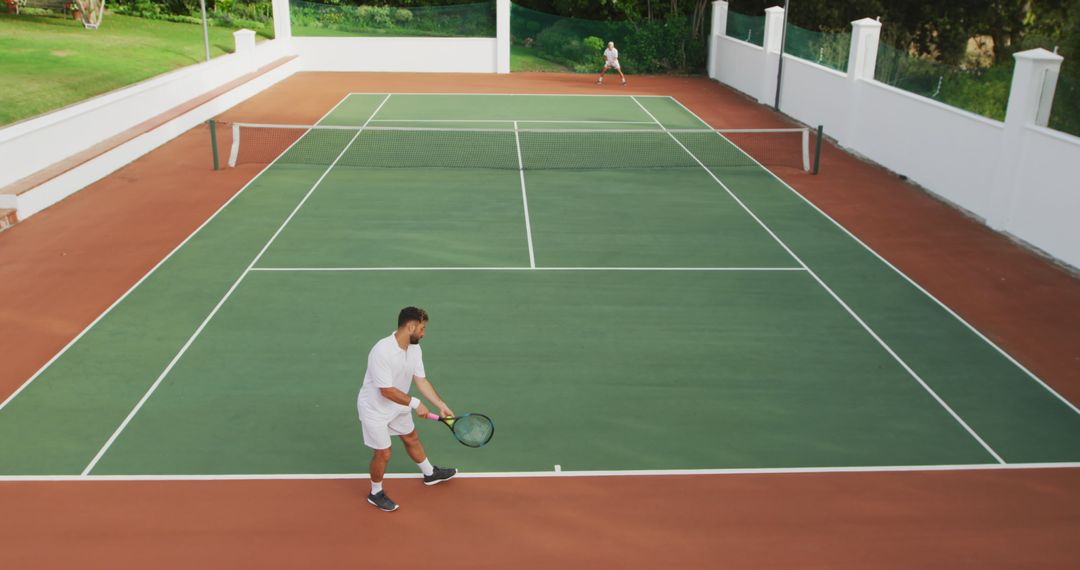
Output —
(414, 403)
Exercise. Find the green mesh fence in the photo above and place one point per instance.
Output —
(975, 90)
(1065, 114)
(746, 28)
(474, 20)
(829, 49)
(645, 46)
(573, 42)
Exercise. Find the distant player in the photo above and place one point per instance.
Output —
(611, 60)
(385, 406)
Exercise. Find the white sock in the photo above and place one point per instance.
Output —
(426, 467)
(376, 488)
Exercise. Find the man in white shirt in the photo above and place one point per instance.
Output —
(385, 406)
(611, 60)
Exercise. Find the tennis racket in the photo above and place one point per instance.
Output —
(473, 430)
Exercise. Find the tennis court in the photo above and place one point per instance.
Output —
(617, 302)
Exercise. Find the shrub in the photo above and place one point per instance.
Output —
(145, 9)
(645, 47)
(375, 16)
(566, 43)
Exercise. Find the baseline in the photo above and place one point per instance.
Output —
(507, 94)
(555, 473)
(510, 121)
(291, 269)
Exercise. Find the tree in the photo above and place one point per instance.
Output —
(939, 29)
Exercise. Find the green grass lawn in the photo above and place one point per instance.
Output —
(522, 59)
(324, 32)
(50, 62)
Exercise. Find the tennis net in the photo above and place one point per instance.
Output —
(514, 149)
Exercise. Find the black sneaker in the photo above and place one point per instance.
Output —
(439, 475)
(382, 502)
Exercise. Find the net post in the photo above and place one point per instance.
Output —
(805, 150)
(235, 151)
(213, 142)
(817, 148)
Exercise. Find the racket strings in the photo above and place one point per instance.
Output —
(474, 430)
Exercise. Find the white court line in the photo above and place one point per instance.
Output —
(224, 298)
(512, 94)
(557, 473)
(524, 198)
(837, 298)
(514, 121)
(288, 269)
(902, 274)
(153, 269)
(393, 129)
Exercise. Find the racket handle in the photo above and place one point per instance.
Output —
(432, 417)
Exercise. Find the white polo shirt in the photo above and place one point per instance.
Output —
(389, 367)
(611, 55)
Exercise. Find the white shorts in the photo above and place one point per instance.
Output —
(610, 64)
(378, 428)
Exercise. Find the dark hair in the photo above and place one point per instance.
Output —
(409, 314)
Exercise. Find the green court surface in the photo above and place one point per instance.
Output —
(608, 319)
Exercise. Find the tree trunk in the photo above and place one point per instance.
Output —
(698, 22)
(999, 45)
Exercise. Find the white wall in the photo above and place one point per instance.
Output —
(76, 179)
(816, 95)
(1046, 210)
(32, 145)
(939, 147)
(739, 64)
(461, 55)
(35, 144)
(1019, 178)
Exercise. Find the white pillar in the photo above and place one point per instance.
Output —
(862, 62)
(1029, 102)
(774, 30)
(245, 46)
(862, 58)
(718, 28)
(502, 36)
(282, 23)
(1033, 84)
(719, 17)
